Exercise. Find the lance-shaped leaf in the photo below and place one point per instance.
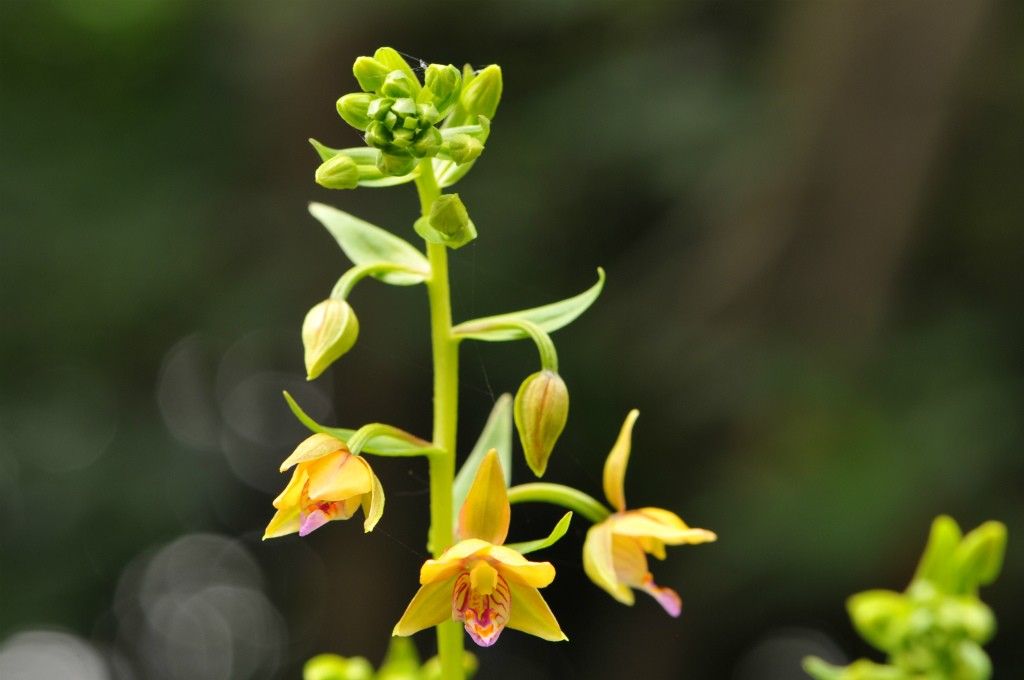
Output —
(386, 441)
(541, 543)
(548, 318)
(365, 243)
(497, 434)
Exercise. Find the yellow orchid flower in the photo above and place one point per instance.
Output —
(479, 581)
(615, 550)
(329, 483)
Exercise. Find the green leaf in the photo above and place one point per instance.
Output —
(548, 318)
(552, 538)
(380, 445)
(365, 243)
(497, 434)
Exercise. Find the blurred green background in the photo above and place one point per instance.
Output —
(811, 218)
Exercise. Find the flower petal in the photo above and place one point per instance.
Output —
(659, 524)
(485, 513)
(313, 447)
(531, 614)
(666, 597)
(518, 569)
(431, 605)
(284, 522)
(484, 615)
(450, 562)
(339, 477)
(615, 465)
(599, 565)
(373, 505)
(292, 494)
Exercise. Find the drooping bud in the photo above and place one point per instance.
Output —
(370, 73)
(541, 410)
(448, 223)
(353, 109)
(481, 96)
(395, 164)
(463, 148)
(444, 83)
(329, 331)
(338, 172)
(396, 84)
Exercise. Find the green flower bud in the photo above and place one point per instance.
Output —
(405, 106)
(396, 85)
(354, 109)
(541, 409)
(370, 73)
(428, 113)
(880, 616)
(378, 135)
(427, 143)
(379, 108)
(334, 667)
(444, 83)
(339, 172)
(448, 223)
(978, 559)
(481, 95)
(463, 148)
(395, 164)
(329, 331)
(970, 662)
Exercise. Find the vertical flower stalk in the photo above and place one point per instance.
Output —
(445, 352)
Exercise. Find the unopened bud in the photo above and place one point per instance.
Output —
(329, 331)
(353, 109)
(448, 222)
(444, 83)
(370, 73)
(377, 134)
(463, 148)
(338, 172)
(395, 164)
(427, 143)
(541, 409)
(396, 84)
(481, 95)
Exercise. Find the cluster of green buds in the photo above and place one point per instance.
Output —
(401, 663)
(935, 629)
(405, 120)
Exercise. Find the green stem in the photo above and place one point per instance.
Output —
(561, 495)
(545, 346)
(446, 401)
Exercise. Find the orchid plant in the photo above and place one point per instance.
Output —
(430, 132)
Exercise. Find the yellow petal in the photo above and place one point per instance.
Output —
(531, 614)
(373, 505)
(599, 565)
(518, 569)
(312, 448)
(283, 523)
(431, 605)
(615, 465)
(483, 577)
(339, 477)
(485, 513)
(658, 524)
(629, 561)
(450, 562)
(292, 494)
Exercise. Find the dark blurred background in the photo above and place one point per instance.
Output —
(810, 215)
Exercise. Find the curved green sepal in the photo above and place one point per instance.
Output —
(548, 318)
(334, 667)
(394, 61)
(552, 538)
(497, 434)
(383, 444)
(978, 559)
(365, 243)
